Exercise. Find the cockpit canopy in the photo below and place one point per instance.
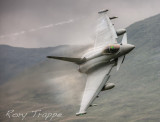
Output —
(111, 49)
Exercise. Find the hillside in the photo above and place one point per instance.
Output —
(15, 60)
(56, 86)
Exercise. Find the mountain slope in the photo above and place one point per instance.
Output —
(15, 60)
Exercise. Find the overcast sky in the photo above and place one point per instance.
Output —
(43, 23)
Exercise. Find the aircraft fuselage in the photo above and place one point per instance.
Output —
(97, 58)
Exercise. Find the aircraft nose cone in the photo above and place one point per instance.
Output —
(128, 47)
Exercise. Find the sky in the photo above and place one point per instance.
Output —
(48, 23)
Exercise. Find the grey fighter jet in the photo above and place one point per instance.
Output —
(98, 62)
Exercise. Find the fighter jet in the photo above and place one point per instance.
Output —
(98, 62)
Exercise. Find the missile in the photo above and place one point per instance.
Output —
(120, 31)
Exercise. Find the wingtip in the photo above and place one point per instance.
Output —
(103, 11)
(114, 17)
(50, 57)
(80, 113)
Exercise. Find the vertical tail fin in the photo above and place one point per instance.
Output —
(124, 39)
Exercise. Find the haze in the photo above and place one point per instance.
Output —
(21, 16)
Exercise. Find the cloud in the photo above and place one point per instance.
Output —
(30, 15)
